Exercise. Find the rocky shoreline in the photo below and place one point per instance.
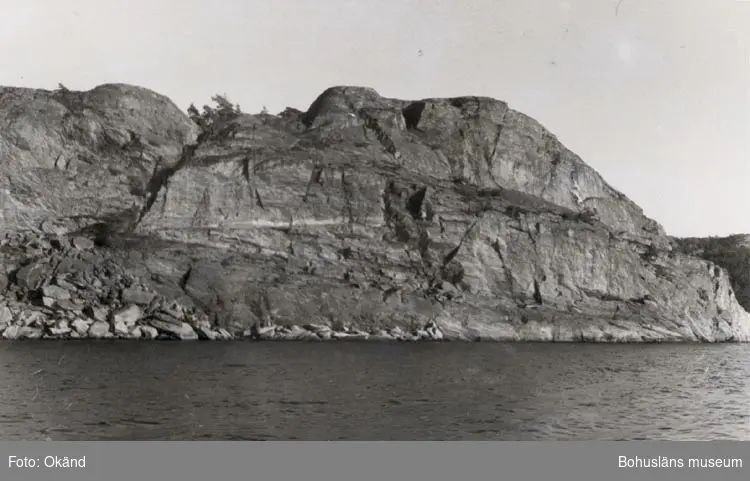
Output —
(362, 218)
(158, 329)
(67, 288)
(64, 288)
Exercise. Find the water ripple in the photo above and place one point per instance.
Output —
(347, 391)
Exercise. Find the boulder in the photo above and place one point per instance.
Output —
(6, 316)
(81, 326)
(127, 316)
(69, 305)
(99, 314)
(137, 296)
(99, 330)
(55, 292)
(12, 332)
(31, 275)
(82, 243)
(60, 331)
(149, 332)
(121, 329)
(182, 331)
(29, 332)
(136, 332)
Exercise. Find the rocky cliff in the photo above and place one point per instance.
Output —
(731, 253)
(362, 217)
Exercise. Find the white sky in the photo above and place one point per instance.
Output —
(654, 94)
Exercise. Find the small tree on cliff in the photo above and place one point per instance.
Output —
(211, 116)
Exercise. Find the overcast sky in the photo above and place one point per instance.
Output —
(654, 94)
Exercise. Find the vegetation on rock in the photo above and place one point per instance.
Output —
(223, 111)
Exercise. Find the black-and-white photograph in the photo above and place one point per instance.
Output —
(390, 220)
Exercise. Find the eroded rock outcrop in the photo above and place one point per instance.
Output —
(364, 217)
(731, 253)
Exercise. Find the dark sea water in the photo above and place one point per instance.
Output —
(371, 391)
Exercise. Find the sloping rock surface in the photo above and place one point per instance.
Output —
(731, 253)
(364, 217)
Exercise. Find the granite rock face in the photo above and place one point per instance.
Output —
(731, 253)
(363, 217)
(73, 158)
